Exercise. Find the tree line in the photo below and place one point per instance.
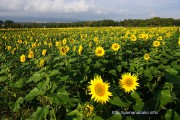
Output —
(152, 22)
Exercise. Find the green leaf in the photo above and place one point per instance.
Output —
(117, 101)
(173, 79)
(128, 51)
(16, 105)
(64, 78)
(89, 61)
(171, 115)
(19, 83)
(115, 117)
(45, 111)
(3, 78)
(112, 72)
(33, 93)
(53, 73)
(124, 64)
(172, 71)
(36, 115)
(119, 67)
(139, 103)
(63, 95)
(37, 76)
(165, 97)
(72, 60)
(97, 118)
(135, 95)
(97, 65)
(177, 54)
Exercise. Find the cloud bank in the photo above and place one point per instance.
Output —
(90, 9)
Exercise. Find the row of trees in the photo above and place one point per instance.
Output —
(156, 21)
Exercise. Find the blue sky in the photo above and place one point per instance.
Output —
(54, 10)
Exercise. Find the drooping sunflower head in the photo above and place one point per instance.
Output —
(128, 82)
(146, 56)
(99, 90)
(99, 51)
(80, 49)
(88, 110)
(115, 46)
(156, 43)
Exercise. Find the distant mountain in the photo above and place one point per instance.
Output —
(38, 19)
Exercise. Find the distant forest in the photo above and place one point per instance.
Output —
(152, 22)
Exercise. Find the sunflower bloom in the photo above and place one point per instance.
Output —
(133, 37)
(42, 62)
(99, 90)
(22, 58)
(8, 48)
(99, 52)
(62, 50)
(146, 56)
(128, 82)
(179, 41)
(159, 38)
(44, 52)
(31, 54)
(115, 46)
(145, 36)
(64, 41)
(156, 43)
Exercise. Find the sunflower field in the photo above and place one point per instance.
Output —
(90, 73)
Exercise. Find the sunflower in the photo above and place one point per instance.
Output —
(31, 54)
(99, 51)
(22, 58)
(133, 37)
(99, 90)
(64, 41)
(88, 110)
(146, 56)
(80, 49)
(145, 36)
(128, 82)
(67, 48)
(115, 47)
(44, 52)
(159, 38)
(62, 50)
(42, 62)
(8, 48)
(156, 43)
(179, 41)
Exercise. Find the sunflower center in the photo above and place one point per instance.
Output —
(99, 89)
(99, 52)
(63, 50)
(146, 56)
(129, 82)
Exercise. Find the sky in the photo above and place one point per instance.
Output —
(81, 10)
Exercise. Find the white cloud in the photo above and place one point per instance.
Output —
(46, 5)
(95, 9)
